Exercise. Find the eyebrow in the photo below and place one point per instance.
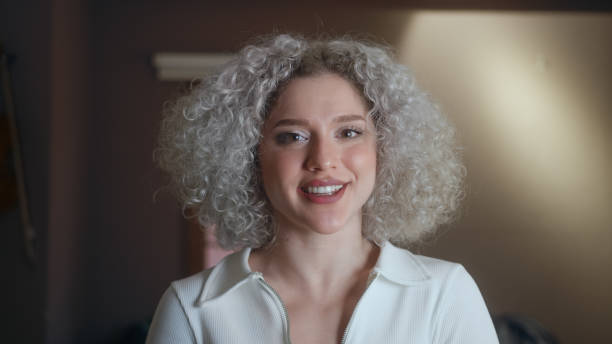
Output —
(339, 119)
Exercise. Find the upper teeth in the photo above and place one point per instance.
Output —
(329, 189)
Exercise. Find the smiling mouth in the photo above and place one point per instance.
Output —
(322, 190)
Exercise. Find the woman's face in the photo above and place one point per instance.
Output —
(318, 155)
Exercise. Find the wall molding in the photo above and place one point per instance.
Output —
(186, 66)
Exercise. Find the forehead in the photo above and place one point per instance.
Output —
(319, 96)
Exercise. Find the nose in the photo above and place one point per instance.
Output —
(322, 155)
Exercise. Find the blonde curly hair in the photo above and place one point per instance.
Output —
(209, 139)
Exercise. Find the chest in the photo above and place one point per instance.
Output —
(256, 314)
(319, 322)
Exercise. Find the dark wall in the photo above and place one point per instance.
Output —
(105, 249)
(69, 197)
(23, 285)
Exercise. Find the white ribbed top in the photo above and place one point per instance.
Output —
(411, 299)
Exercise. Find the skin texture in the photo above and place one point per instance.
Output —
(318, 131)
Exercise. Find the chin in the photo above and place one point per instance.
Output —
(332, 226)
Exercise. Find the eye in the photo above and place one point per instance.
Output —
(289, 138)
(350, 133)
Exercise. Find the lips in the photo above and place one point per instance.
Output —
(323, 191)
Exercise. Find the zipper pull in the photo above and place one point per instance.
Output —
(372, 276)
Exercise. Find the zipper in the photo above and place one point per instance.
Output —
(348, 326)
(279, 302)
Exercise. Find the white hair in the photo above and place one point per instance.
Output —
(209, 139)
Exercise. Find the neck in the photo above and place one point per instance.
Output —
(315, 262)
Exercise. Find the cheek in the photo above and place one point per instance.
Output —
(363, 160)
(278, 167)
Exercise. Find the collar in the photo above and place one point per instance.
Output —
(400, 266)
(394, 264)
(230, 272)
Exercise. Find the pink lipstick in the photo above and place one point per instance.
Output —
(323, 191)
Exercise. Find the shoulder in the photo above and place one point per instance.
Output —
(442, 271)
(176, 318)
(456, 289)
(449, 279)
(405, 267)
(437, 267)
(214, 281)
(172, 322)
(188, 289)
(447, 284)
(460, 314)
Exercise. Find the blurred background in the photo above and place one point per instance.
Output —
(529, 85)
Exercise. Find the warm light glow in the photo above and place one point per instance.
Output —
(531, 94)
(531, 125)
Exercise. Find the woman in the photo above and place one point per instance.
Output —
(319, 160)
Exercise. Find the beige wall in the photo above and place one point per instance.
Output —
(531, 94)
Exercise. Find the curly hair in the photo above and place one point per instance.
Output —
(209, 139)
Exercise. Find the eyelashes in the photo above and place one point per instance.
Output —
(351, 133)
(294, 137)
(289, 138)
